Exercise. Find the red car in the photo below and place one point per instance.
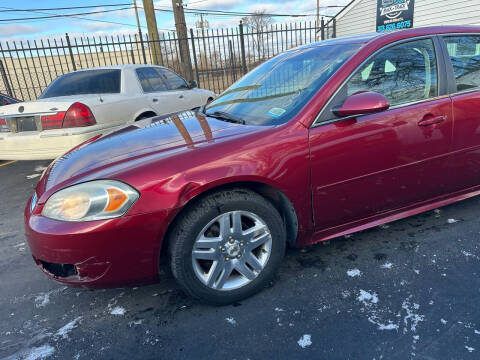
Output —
(318, 142)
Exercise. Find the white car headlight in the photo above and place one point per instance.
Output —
(95, 200)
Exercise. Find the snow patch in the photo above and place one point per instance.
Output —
(40, 168)
(65, 330)
(305, 341)
(279, 309)
(354, 273)
(452, 221)
(367, 298)
(443, 321)
(416, 271)
(35, 353)
(390, 326)
(412, 317)
(33, 176)
(476, 332)
(231, 320)
(470, 349)
(386, 265)
(118, 310)
(43, 299)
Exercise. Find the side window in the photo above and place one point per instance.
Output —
(404, 73)
(174, 81)
(464, 52)
(150, 80)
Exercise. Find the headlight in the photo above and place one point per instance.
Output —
(95, 200)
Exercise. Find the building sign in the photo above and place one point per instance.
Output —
(394, 14)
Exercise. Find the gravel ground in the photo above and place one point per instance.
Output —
(406, 290)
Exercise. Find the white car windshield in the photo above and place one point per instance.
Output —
(102, 81)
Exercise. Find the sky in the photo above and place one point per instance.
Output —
(31, 29)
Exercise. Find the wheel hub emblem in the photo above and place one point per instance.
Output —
(232, 249)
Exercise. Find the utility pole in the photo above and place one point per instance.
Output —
(182, 37)
(152, 31)
(318, 19)
(140, 31)
(202, 24)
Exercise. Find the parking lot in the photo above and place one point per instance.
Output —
(406, 290)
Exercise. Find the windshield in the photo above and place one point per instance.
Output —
(276, 90)
(105, 81)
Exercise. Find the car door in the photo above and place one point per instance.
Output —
(464, 62)
(364, 166)
(161, 100)
(189, 98)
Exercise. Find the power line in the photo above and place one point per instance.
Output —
(234, 13)
(76, 17)
(64, 8)
(64, 15)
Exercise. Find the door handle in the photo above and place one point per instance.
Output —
(155, 100)
(429, 120)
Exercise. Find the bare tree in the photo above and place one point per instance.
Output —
(257, 23)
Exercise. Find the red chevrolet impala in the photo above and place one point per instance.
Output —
(320, 141)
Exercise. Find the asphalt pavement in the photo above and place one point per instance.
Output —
(406, 290)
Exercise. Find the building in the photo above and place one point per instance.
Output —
(368, 16)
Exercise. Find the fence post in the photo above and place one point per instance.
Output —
(334, 28)
(143, 47)
(71, 52)
(242, 48)
(5, 79)
(232, 60)
(195, 57)
(323, 28)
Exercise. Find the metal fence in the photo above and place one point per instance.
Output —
(219, 56)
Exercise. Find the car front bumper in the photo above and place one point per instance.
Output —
(48, 144)
(98, 254)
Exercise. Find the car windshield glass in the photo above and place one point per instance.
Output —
(276, 90)
(85, 82)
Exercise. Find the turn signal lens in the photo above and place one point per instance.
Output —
(116, 198)
(95, 200)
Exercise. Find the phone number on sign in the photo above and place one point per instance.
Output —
(400, 25)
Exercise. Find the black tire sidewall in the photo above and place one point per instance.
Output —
(204, 214)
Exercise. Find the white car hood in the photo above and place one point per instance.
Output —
(54, 104)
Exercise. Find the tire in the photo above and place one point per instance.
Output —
(198, 276)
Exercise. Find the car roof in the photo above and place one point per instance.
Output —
(395, 35)
(119, 67)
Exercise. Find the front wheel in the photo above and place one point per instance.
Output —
(227, 246)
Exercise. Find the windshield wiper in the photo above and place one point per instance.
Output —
(222, 115)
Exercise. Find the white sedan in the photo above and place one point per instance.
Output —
(82, 104)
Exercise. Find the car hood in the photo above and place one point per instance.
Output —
(149, 139)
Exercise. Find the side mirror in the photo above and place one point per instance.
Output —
(363, 103)
(193, 84)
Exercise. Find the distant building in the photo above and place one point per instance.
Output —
(368, 16)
